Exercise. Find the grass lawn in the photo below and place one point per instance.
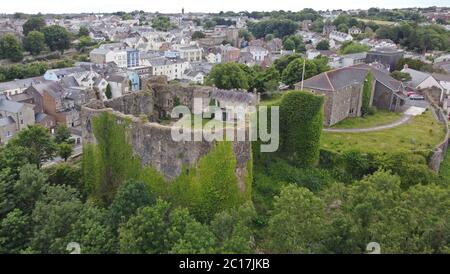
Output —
(378, 22)
(422, 132)
(378, 119)
(444, 172)
(186, 123)
(274, 98)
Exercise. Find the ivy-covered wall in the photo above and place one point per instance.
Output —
(301, 123)
(209, 186)
(367, 94)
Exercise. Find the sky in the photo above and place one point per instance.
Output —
(174, 6)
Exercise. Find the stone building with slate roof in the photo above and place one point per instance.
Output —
(343, 90)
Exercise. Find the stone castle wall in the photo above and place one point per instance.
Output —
(151, 141)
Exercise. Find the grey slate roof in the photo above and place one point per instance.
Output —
(21, 83)
(10, 106)
(6, 121)
(39, 117)
(337, 79)
(53, 88)
(116, 78)
(69, 82)
(417, 77)
(233, 96)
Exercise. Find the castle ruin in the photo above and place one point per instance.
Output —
(148, 113)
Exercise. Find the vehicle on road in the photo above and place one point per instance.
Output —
(416, 97)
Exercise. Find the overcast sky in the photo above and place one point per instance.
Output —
(171, 6)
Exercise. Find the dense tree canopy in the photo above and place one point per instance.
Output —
(278, 27)
(35, 23)
(37, 142)
(162, 23)
(419, 38)
(198, 35)
(352, 47)
(57, 38)
(323, 45)
(11, 48)
(294, 71)
(228, 76)
(34, 42)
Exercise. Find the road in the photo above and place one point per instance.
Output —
(77, 150)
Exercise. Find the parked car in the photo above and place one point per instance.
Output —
(416, 97)
(409, 93)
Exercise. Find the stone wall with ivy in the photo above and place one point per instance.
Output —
(206, 176)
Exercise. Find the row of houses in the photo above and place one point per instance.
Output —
(57, 96)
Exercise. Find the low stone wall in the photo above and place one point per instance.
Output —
(441, 150)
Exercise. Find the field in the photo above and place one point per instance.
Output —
(378, 119)
(378, 22)
(422, 132)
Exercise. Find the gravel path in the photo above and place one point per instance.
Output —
(405, 118)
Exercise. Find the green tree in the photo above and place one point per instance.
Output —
(278, 27)
(92, 232)
(34, 42)
(301, 122)
(352, 47)
(8, 199)
(57, 38)
(65, 150)
(368, 201)
(29, 187)
(294, 71)
(294, 42)
(146, 232)
(266, 80)
(342, 28)
(13, 158)
(234, 229)
(85, 41)
(65, 173)
(37, 141)
(83, 31)
(288, 44)
(162, 23)
(245, 34)
(187, 236)
(228, 76)
(297, 222)
(323, 45)
(35, 23)
(198, 35)
(62, 134)
(401, 76)
(108, 92)
(11, 48)
(130, 196)
(281, 63)
(53, 216)
(14, 232)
